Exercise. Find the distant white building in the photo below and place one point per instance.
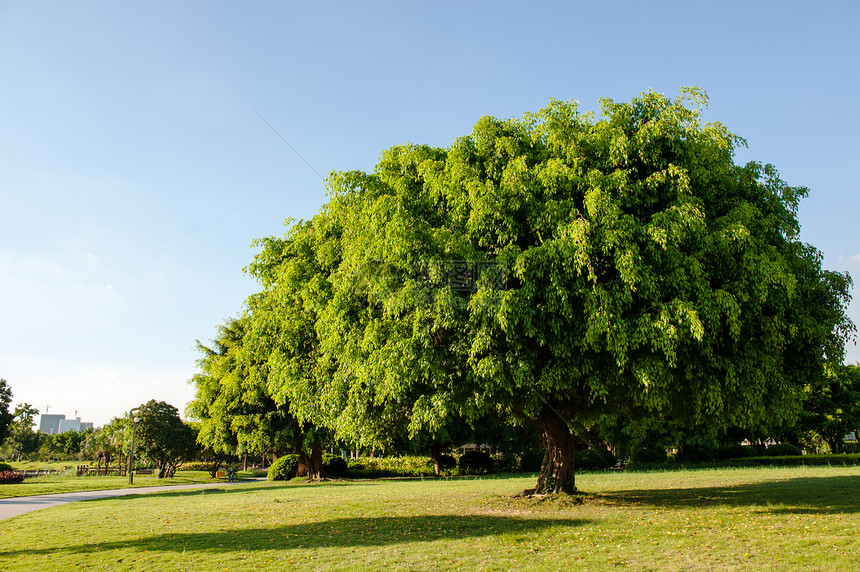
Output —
(57, 423)
(70, 425)
(50, 424)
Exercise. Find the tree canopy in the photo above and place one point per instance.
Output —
(22, 441)
(6, 416)
(550, 269)
(162, 437)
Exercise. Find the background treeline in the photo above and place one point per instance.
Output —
(488, 446)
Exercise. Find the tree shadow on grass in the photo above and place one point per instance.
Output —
(336, 533)
(805, 495)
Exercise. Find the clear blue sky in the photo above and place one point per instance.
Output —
(135, 171)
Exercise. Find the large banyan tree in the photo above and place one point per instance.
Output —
(550, 269)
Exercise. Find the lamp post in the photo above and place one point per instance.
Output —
(131, 452)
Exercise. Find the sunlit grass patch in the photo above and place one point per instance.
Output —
(68, 482)
(737, 519)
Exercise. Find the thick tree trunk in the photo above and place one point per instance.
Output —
(436, 457)
(311, 466)
(834, 443)
(557, 469)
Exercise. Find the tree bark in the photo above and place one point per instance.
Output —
(557, 470)
(436, 457)
(311, 465)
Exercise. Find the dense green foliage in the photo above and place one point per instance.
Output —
(783, 450)
(233, 404)
(612, 277)
(595, 459)
(649, 456)
(6, 416)
(334, 466)
(833, 409)
(21, 441)
(284, 468)
(475, 463)
(162, 437)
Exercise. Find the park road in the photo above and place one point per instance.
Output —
(22, 505)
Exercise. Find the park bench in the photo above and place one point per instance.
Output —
(229, 474)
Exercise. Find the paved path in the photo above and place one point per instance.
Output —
(21, 505)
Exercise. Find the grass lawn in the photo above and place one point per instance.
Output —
(69, 483)
(720, 519)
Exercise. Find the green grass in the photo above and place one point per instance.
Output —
(724, 519)
(70, 483)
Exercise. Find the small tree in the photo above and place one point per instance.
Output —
(22, 440)
(162, 437)
(66, 445)
(5, 416)
(832, 411)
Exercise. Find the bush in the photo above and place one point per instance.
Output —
(284, 468)
(783, 450)
(530, 461)
(475, 463)
(446, 463)
(10, 478)
(334, 466)
(193, 466)
(5, 467)
(696, 452)
(380, 467)
(650, 456)
(506, 463)
(733, 452)
(595, 459)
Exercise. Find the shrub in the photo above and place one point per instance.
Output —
(475, 463)
(284, 468)
(697, 452)
(379, 467)
(446, 462)
(194, 466)
(10, 477)
(732, 452)
(595, 459)
(650, 456)
(783, 450)
(5, 467)
(334, 466)
(506, 463)
(530, 461)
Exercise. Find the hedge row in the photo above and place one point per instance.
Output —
(762, 461)
(470, 463)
